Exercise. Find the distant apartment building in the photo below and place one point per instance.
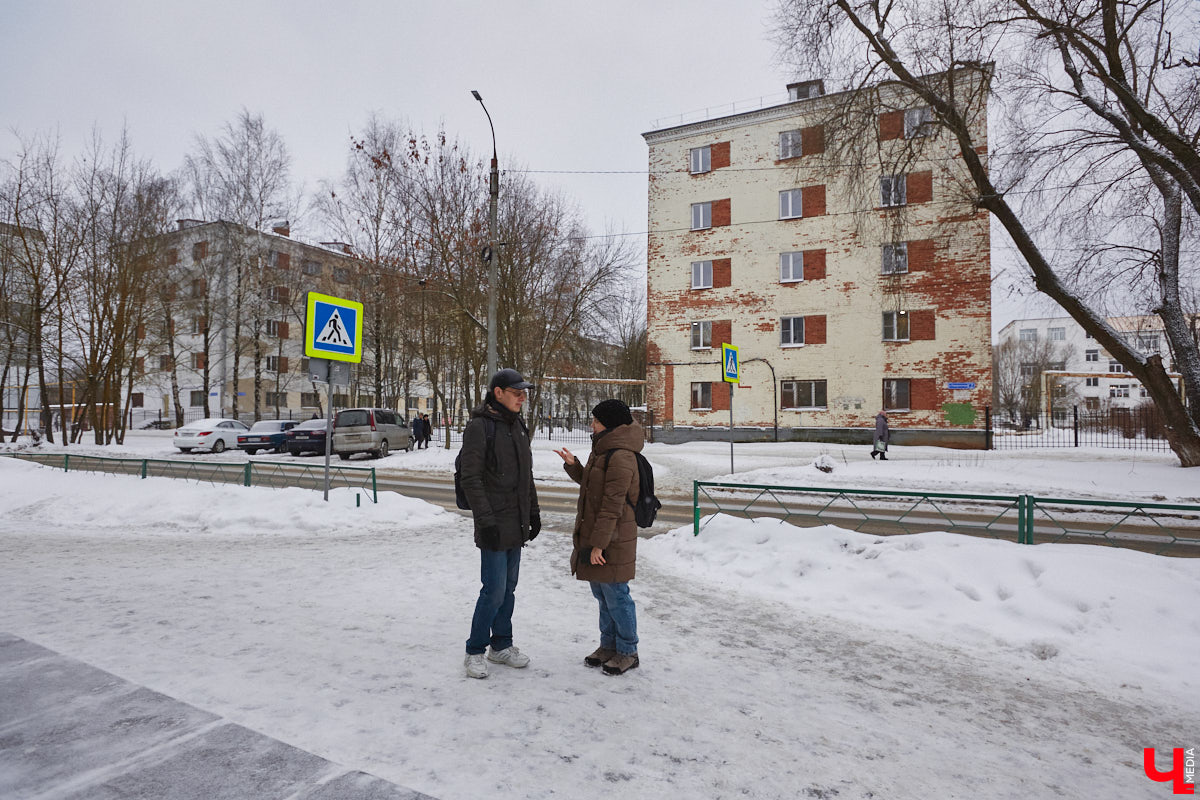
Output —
(1062, 365)
(846, 289)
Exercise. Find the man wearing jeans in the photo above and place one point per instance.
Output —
(496, 475)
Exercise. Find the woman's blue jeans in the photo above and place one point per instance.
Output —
(618, 617)
(492, 623)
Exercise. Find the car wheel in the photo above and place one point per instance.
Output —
(219, 446)
(185, 449)
(383, 449)
(250, 451)
(344, 456)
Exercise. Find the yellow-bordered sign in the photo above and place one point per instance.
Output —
(731, 367)
(333, 328)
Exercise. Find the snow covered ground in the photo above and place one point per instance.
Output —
(777, 662)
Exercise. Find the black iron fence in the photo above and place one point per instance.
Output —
(1139, 428)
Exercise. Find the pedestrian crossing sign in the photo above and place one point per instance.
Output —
(333, 328)
(731, 368)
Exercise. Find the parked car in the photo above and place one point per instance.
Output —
(377, 431)
(214, 434)
(266, 434)
(307, 437)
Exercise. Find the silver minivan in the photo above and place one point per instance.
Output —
(377, 431)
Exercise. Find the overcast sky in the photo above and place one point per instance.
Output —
(570, 86)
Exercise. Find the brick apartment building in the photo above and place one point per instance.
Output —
(846, 290)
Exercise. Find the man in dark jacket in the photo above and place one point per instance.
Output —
(498, 483)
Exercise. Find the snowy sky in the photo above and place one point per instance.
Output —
(570, 87)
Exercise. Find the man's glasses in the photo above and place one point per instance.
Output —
(517, 392)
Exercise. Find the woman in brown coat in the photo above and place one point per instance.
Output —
(605, 539)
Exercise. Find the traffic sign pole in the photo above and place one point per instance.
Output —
(731, 373)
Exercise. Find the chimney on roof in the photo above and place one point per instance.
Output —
(184, 224)
(281, 227)
(805, 90)
(345, 248)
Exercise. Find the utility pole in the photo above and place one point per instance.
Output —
(492, 254)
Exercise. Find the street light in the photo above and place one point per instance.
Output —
(492, 252)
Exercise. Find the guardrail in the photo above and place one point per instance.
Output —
(273, 475)
(1160, 528)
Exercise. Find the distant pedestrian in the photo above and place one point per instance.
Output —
(605, 538)
(496, 474)
(427, 429)
(882, 435)
(417, 430)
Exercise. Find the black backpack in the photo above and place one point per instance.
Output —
(647, 506)
(489, 426)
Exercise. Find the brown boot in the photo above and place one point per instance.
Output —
(620, 664)
(601, 655)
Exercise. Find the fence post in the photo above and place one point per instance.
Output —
(1075, 413)
(987, 428)
(246, 470)
(695, 508)
(66, 462)
(374, 487)
(145, 461)
(1025, 519)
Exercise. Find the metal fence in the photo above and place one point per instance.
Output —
(1139, 428)
(1160, 528)
(250, 473)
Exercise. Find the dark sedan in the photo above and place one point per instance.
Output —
(266, 434)
(307, 437)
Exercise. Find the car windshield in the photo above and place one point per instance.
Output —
(311, 425)
(203, 423)
(345, 419)
(267, 426)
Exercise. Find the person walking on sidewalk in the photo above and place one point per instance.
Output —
(882, 434)
(605, 538)
(496, 474)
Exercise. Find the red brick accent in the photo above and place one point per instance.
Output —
(812, 201)
(814, 265)
(891, 125)
(199, 250)
(720, 396)
(172, 257)
(283, 261)
(281, 294)
(981, 149)
(719, 154)
(198, 360)
(921, 325)
(283, 364)
(141, 332)
(721, 213)
(814, 329)
(920, 255)
(722, 332)
(923, 394)
(668, 409)
(722, 272)
(919, 187)
(283, 330)
(812, 140)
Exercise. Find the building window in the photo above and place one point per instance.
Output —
(137, 400)
(198, 361)
(277, 328)
(277, 294)
(803, 394)
(895, 326)
(1091, 355)
(341, 401)
(1147, 342)
(1091, 382)
(701, 274)
(1118, 390)
(1143, 391)
(412, 403)
(199, 251)
(896, 394)
(341, 274)
(198, 325)
(197, 398)
(791, 205)
(1027, 335)
(701, 335)
(892, 190)
(273, 363)
(303, 366)
(309, 400)
(310, 267)
(791, 267)
(701, 396)
(895, 258)
(700, 159)
(198, 287)
(789, 145)
(1057, 334)
(701, 216)
(918, 122)
(792, 331)
(1115, 366)
(164, 363)
(1028, 371)
(277, 399)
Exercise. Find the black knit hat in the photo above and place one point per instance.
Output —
(612, 413)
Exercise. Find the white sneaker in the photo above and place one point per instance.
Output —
(509, 655)
(476, 666)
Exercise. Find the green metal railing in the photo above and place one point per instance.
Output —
(271, 474)
(1162, 528)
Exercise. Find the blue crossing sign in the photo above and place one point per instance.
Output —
(730, 367)
(333, 328)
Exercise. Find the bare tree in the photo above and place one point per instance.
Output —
(1099, 97)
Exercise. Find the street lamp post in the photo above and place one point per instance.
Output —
(493, 252)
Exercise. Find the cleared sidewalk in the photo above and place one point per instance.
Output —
(70, 731)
